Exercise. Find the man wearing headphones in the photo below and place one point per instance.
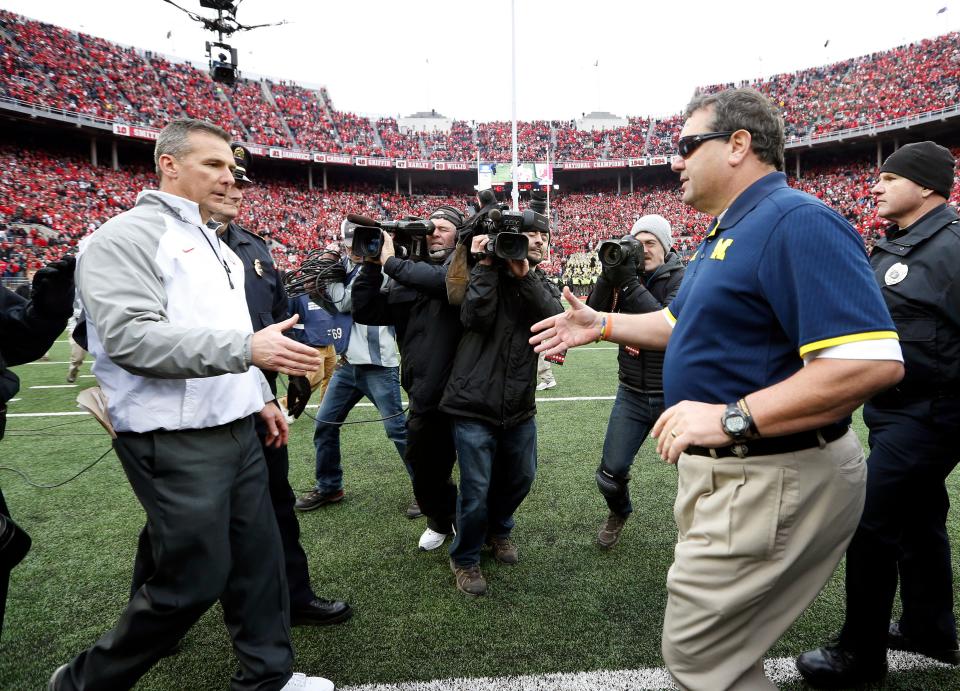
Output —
(429, 330)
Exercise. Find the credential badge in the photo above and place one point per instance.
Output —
(896, 273)
(258, 267)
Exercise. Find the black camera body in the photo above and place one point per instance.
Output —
(408, 237)
(504, 228)
(613, 253)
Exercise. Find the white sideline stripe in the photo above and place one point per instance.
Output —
(780, 671)
(55, 386)
(46, 362)
(312, 405)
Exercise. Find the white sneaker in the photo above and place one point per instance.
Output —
(431, 539)
(542, 386)
(301, 682)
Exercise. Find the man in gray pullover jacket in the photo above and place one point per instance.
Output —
(176, 356)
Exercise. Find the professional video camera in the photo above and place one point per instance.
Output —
(320, 269)
(408, 236)
(613, 253)
(505, 228)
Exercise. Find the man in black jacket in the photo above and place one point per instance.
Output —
(490, 393)
(633, 289)
(27, 330)
(913, 432)
(428, 331)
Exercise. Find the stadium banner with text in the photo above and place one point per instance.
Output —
(488, 174)
(136, 132)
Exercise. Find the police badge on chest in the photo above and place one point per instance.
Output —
(896, 273)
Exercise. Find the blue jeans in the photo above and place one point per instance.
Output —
(631, 419)
(347, 386)
(497, 467)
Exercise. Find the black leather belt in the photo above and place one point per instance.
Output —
(769, 446)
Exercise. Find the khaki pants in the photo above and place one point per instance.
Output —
(77, 355)
(758, 538)
(544, 371)
(320, 377)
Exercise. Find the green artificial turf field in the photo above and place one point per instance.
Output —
(566, 607)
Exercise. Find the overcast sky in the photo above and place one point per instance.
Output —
(383, 57)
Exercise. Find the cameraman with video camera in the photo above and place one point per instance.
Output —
(428, 332)
(640, 274)
(490, 395)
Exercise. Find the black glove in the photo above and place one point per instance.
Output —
(624, 273)
(298, 395)
(53, 288)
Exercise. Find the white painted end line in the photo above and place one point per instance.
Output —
(780, 671)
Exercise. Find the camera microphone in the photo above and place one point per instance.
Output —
(362, 221)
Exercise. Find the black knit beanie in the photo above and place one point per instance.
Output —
(926, 163)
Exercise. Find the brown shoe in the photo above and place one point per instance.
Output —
(469, 579)
(504, 551)
(314, 499)
(609, 534)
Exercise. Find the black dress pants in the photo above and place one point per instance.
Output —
(212, 537)
(283, 499)
(431, 455)
(902, 533)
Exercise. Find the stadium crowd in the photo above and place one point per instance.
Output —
(69, 197)
(52, 67)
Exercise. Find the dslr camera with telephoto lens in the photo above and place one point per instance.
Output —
(613, 253)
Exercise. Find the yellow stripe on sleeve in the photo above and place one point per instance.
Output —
(668, 315)
(850, 338)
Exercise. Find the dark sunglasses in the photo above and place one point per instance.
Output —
(687, 145)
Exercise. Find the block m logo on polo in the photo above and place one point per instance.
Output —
(720, 251)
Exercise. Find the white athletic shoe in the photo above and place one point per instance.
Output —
(542, 386)
(301, 682)
(431, 539)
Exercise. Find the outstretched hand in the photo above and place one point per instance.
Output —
(271, 350)
(576, 326)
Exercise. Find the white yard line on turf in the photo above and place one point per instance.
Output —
(780, 671)
(46, 362)
(55, 386)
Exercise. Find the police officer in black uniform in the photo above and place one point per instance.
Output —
(913, 432)
(27, 330)
(267, 304)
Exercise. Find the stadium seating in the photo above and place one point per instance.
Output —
(70, 197)
(51, 67)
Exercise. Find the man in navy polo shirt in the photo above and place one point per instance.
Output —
(777, 334)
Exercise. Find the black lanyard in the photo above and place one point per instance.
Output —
(217, 254)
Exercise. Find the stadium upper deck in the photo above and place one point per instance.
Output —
(45, 66)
